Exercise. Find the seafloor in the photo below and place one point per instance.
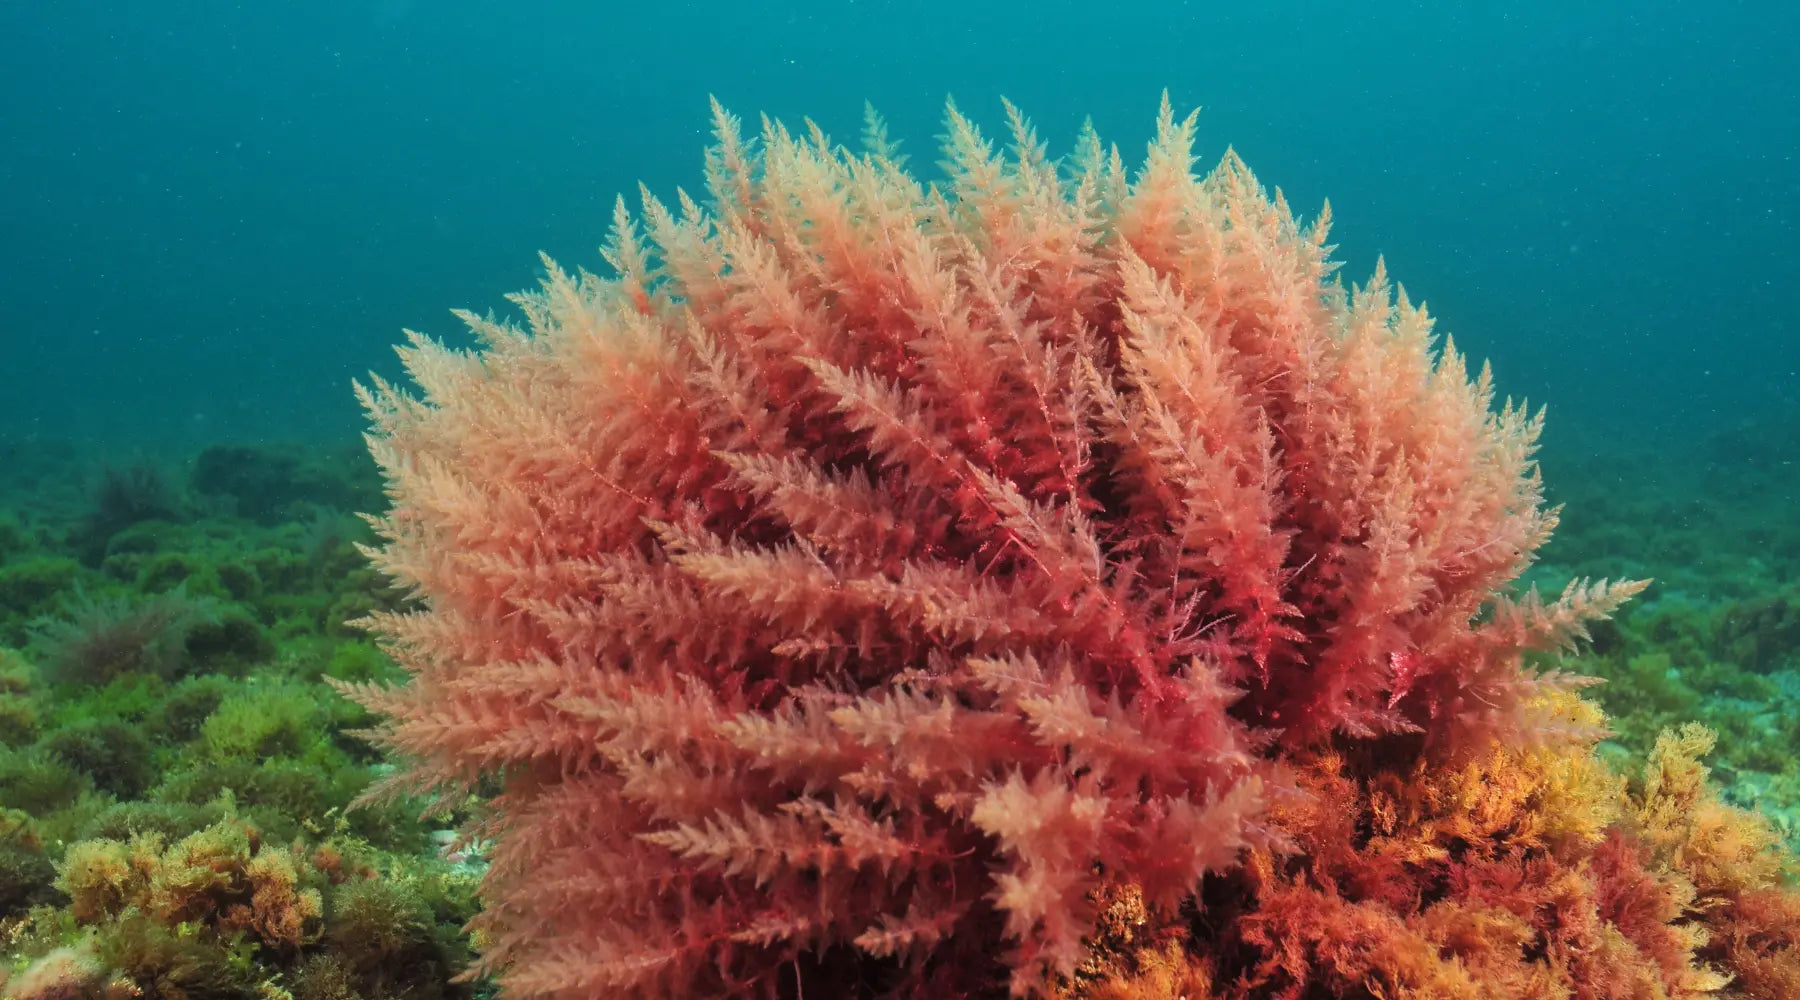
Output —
(168, 624)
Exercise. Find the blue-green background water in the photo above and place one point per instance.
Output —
(216, 214)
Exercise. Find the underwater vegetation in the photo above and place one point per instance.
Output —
(175, 774)
(1052, 582)
(1049, 582)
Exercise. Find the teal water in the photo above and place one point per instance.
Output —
(217, 214)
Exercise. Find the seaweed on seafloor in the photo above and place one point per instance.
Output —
(26, 873)
(18, 715)
(115, 754)
(98, 639)
(122, 497)
(224, 912)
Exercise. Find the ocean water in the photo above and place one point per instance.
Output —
(216, 214)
